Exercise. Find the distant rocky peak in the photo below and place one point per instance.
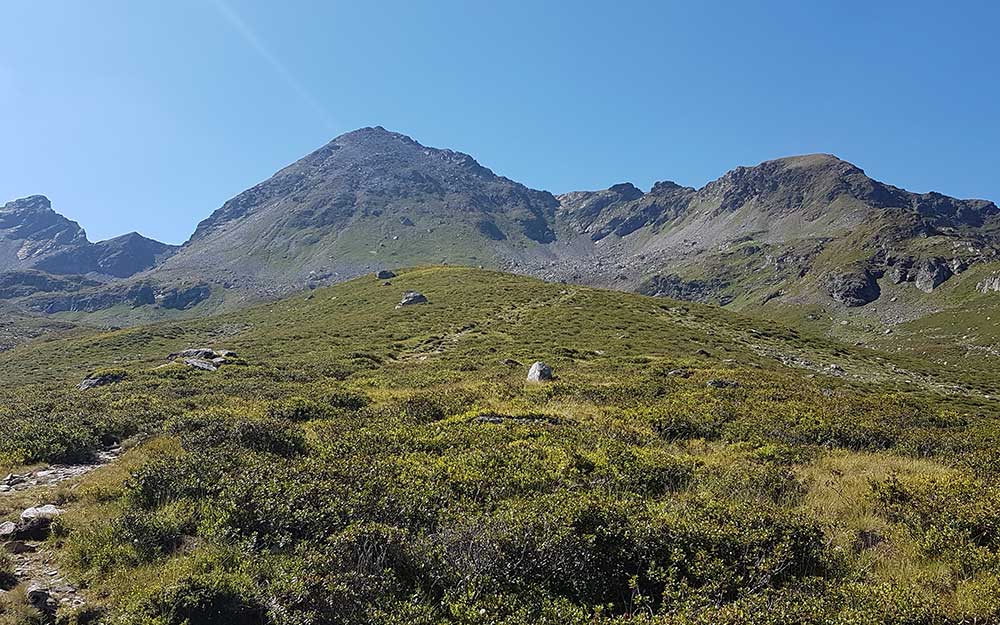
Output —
(626, 191)
(30, 203)
(667, 186)
(32, 219)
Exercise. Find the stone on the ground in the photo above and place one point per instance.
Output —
(539, 372)
(101, 379)
(7, 529)
(35, 522)
(198, 363)
(38, 597)
(385, 274)
(411, 298)
(46, 512)
(204, 353)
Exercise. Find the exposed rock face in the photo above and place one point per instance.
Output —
(133, 294)
(853, 288)
(539, 372)
(120, 257)
(32, 235)
(181, 297)
(675, 287)
(31, 231)
(42, 252)
(15, 284)
(990, 284)
(930, 274)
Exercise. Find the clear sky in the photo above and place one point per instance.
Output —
(143, 115)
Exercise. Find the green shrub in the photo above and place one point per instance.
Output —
(298, 409)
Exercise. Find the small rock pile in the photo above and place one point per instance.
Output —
(204, 358)
(33, 525)
(46, 590)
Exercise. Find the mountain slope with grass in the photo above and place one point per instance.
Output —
(686, 464)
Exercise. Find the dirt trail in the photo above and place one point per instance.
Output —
(34, 565)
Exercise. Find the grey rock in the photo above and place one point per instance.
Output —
(385, 274)
(853, 288)
(39, 598)
(198, 363)
(539, 372)
(47, 512)
(35, 522)
(990, 284)
(930, 274)
(204, 358)
(94, 381)
(898, 274)
(204, 353)
(411, 298)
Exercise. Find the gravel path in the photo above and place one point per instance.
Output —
(35, 567)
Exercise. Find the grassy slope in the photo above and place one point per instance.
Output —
(733, 481)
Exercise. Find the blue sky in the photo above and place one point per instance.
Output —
(149, 115)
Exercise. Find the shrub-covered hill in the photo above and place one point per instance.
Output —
(362, 463)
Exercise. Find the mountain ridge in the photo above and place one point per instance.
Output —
(806, 231)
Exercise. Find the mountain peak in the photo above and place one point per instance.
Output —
(372, 133)
(809, 160)
(29, 203)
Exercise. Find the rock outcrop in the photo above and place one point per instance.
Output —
(853, 288)
(411, 298)
(990, 284)
(102, 378)
(930, 274)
